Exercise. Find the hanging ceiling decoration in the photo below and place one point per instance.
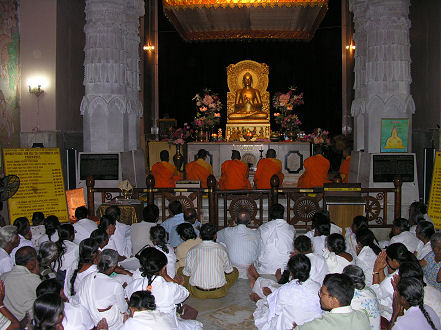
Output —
(245, 19)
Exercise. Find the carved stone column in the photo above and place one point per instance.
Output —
(111, 107)
(382, 68)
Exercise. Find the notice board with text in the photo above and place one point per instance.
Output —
(434, 211)
(41, 182)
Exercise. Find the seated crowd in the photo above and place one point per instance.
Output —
(110, 275)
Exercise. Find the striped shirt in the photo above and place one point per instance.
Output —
(207, 264)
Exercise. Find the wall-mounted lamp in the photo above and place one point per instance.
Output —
(36, 90)
(350, 47)
(149, 48)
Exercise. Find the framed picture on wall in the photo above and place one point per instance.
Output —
(394, 135)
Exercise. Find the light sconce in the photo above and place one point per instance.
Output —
(149, 48)
(36, 90)
(350, 47)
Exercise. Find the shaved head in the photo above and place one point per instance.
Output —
(243, 218)
(271, 153)
(235, 155)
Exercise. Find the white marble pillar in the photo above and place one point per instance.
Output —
(382, 69)
(111, 107)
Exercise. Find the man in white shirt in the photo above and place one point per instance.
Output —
(170, 224)
(21, 282)
(276, 242)
(424, 232)
(319, 268)
(84, 226)
(121, 237)
(140, 232)
(242, 243)
(208, 272)
(401, 234)
(9, 240)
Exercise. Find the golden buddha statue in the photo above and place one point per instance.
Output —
(248, 102)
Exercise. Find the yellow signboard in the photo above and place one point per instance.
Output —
(41, 182)
(435, 193)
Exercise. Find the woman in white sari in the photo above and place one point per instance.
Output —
(158, 235)
(295, 301)
(167, 291)
(67, 249)
(145, 316)
(335, 256)
(102, 295)
(367, 252)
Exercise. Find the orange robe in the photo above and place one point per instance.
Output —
(316, 172)
(165, 175)
(266, 168)
(198, 170)
(234, 175)
(344, 169)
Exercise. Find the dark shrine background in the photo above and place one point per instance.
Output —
(186, 68)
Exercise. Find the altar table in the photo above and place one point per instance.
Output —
(291, 154)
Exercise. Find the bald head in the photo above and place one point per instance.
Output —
(271, 153)
(235, 155)
(243, 218)
(164, 156)
(26, 256)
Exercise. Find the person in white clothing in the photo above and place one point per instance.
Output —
(121, 237)
(319, 268)
(276, 242)
(364, 299)
(37, 228)
(242, 243)
(167, 291)
(170, 224)
(401, 234)
(366, 253)
(335, 256)
(83, 226)
(359, 222)
(321, 233)
(409, 298)
(51, 225)
(279, 310)
(76, 317)
(417, 213)
(424, 232)
(108, 224)
(145, 316)
(67, 250)
(24, 233)
(140, 232)
(318, 217)
(394, 255)
(102, 295)
(158, 236)
(87, 259)
(9, 240)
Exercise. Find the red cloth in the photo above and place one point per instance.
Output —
(234, 175)
(198, 170)
(344, 169)
(165, 175)
(316, 172)
(266, 168)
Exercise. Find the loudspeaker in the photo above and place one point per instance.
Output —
(71, 168)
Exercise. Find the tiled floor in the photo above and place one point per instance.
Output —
(234, 311)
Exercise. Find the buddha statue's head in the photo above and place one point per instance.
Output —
(247, 79)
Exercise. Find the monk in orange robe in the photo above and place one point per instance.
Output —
(316, 170)
(165, 173)
(234, 174)
(345, 165)
(266, 168)
(199, 169)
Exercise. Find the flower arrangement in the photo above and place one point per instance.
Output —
(319, 136)
(208, 107)
(183, 134)
(284, 105)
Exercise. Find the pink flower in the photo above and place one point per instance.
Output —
(212, 105)
(207, 100)
(283, 99)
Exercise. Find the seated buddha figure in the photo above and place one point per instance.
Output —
(248, 104)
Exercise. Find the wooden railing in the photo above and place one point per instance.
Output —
(301, 203)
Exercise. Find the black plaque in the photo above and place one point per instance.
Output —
(100, 166)
(387, 167)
